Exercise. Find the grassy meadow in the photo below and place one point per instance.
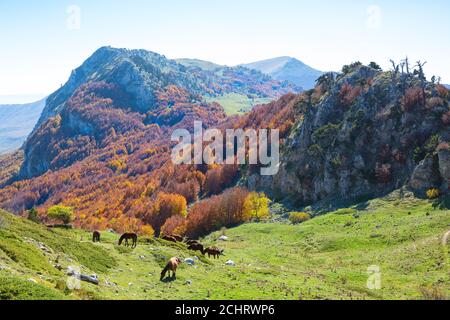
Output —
(326, 257)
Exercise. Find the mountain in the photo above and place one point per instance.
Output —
(143, 74)
(17, 122)
(288, 69)
(135, 87)
(447, 86)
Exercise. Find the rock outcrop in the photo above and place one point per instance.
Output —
(364, 133)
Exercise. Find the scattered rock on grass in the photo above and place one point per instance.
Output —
(230, 263)
(189, 261)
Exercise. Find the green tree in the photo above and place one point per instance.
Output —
(33, 215)
(375, 66)
(62, 213)
(256, 206)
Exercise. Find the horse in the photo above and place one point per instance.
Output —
(96, 236)
(170, 239)
(172, 265)
(129, 236)
(191, 242)
(177, 237)
(216, 253)
(197, 247)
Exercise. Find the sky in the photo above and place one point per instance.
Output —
(41, 42)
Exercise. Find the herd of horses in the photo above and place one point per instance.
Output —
(174, 262)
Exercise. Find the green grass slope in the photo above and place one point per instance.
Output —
(325, 258)
(234, 103)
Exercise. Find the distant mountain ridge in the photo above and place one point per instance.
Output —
(287, 69)
(16, 123)
(143, 73)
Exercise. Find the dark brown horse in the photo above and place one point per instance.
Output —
(129, 236)
(177, 237)
(197, 247)
(191, 242)
(96, 236)
(216, 253)
(170, 239)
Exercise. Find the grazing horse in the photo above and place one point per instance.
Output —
(172, 265)
(191, 242)
(129, 236)
(96, 236)
(197, 247)
(169, 238)
(216, 253)
(177, 237)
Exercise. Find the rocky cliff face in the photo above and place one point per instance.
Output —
(364, 133)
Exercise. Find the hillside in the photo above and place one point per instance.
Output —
(325, 258)
(16, 123)
(288, 69)
(363, 134)
(196, 63)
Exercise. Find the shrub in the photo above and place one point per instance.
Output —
(147, 231)
(432, 143)
(326, 135)
(443, 92)
(299, 217)
(315, 151)
(117, 165)
(433, 293)
(348, 94)
(433, 194)
(413, 98)
(434, 102)
(62, 213)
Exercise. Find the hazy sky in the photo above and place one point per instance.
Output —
(42, 41)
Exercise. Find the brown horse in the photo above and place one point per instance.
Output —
(216, 253)
(129, 236)
(96, 236)
(197, 247)
(169, 238)
(172, 265)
